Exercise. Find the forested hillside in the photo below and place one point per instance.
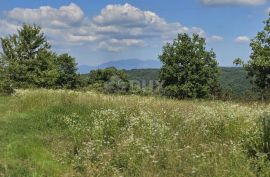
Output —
(232, 79)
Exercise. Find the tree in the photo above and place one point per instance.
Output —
(104, 75)
(110, 80)
(238, 61)
(28, 58)
(258, 67)
(188, 71)
(67, 68)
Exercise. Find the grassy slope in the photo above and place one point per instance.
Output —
(63, 133)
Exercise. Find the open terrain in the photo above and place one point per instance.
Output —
(66, 133)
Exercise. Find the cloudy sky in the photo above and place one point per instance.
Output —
(98, 31)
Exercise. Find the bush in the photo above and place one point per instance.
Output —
(266, 134)
(116, 85)
(109, 80)
(6, 87)
(257, 142)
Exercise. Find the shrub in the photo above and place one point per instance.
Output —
(6, 87)
(116, 85)
(109, 80)
(266, 134)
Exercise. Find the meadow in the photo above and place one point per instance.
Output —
(68, 133)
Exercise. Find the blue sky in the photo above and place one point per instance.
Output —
(98, 31)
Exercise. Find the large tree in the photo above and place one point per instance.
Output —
(189, 70)
(28, 58)
(258, 66)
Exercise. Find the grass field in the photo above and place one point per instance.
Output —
(65, 133)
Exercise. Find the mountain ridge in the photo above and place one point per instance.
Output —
(127, 64)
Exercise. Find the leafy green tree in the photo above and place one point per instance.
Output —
(238, 61)
(109, 80)
(188, 71)
(258, 67)
(28, 58)
(67, 68)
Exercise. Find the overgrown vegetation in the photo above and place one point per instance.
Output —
(56, 131)
(67, 133)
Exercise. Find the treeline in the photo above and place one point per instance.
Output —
(188, 70)
(232, 80)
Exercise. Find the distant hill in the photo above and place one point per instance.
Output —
(231, 78)
(123, 64)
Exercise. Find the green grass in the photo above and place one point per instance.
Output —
(65, 133)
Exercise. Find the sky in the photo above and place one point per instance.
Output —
(99, 31)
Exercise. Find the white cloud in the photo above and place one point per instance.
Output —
(65, 16)
(242, 39)
(6, 27)
(132, 22)
(116, 45)
(116, 28)
(216, 38)
(233, 2)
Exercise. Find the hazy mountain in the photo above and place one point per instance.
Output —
(123, 64)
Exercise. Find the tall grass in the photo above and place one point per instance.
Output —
(66, 133)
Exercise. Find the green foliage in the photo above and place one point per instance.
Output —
(258, 66)
(29, 59)
(116, 85)
(188, 71)
(67, 68)
(238, 61)
(6, 87)
(109, 80)
(232, 80)
(266, 134)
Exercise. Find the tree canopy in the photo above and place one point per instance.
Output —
(28, 61)
(189, 70)
(258, 67)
